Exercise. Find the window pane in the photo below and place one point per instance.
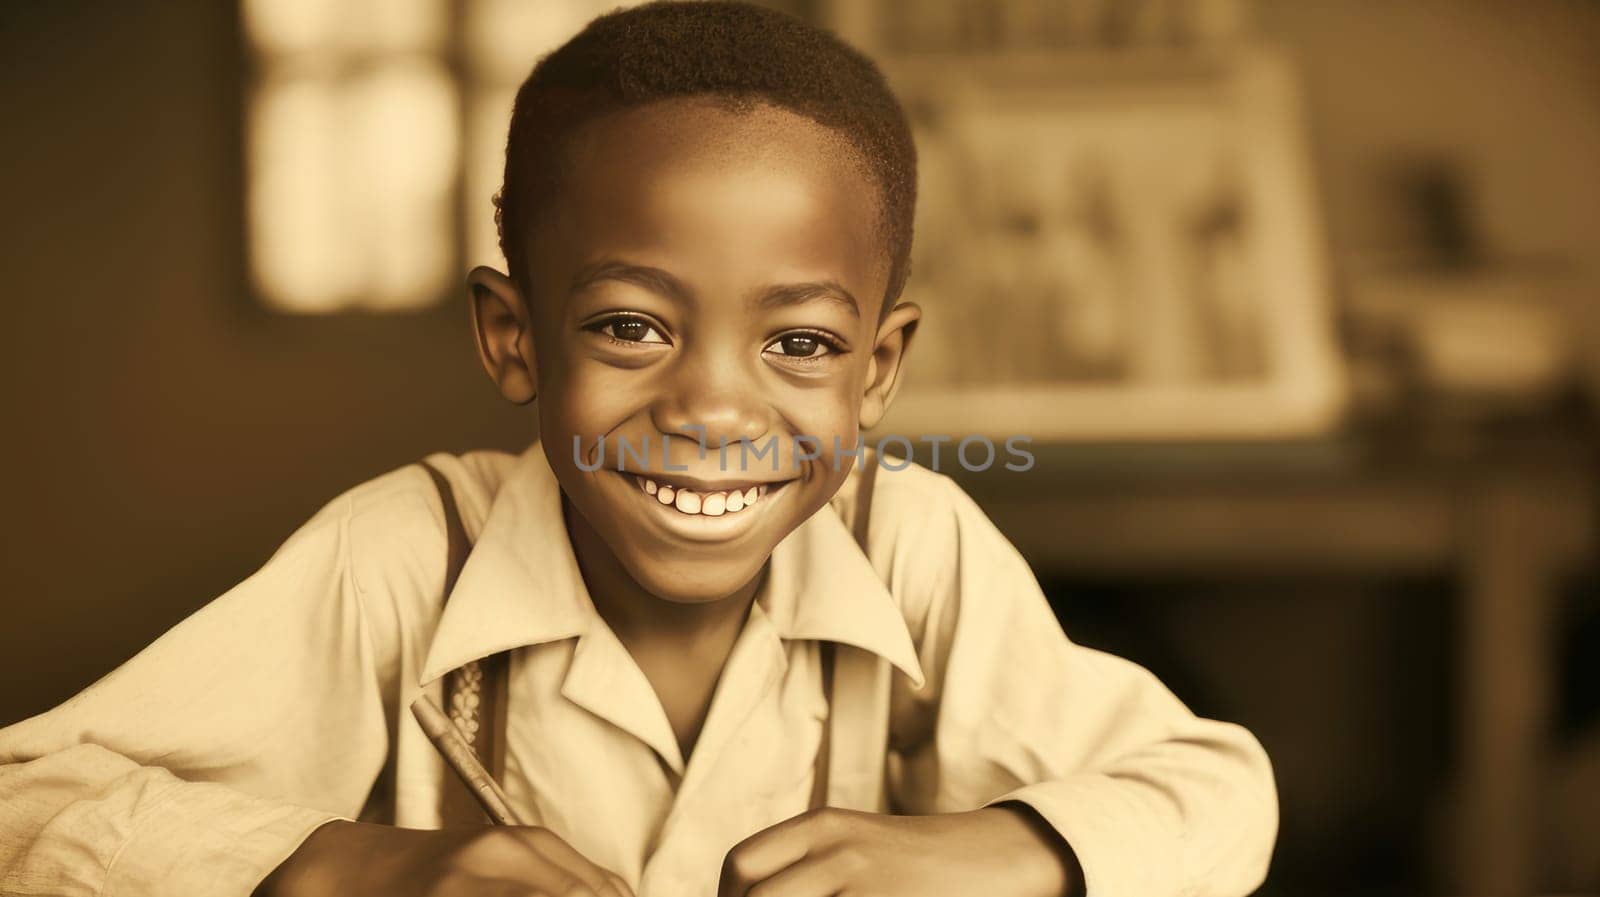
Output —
(318, 26)
(353, 153)
(351, 188)
(287, 26)
(399, 168)
(297, 204)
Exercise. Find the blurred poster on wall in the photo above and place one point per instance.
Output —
(1118, 236)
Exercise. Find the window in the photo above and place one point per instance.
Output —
(375, 141)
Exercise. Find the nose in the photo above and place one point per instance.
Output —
(716, 394)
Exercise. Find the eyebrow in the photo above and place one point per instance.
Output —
(663, 283)
(797, 293)
(653, 279)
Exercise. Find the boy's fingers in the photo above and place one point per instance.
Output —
(502, 852)
(546, 876)
(815, 875)
(479, 886)
(763, 854)
(551, 846)
(613, 886)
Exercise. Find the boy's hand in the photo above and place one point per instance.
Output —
(1002, 850)
(349, 859)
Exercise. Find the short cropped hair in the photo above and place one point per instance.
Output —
(734, 53)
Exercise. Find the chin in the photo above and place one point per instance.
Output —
(689, 582)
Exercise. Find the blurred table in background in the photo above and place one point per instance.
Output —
(1508, 519)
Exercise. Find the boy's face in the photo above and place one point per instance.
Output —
(704, 272)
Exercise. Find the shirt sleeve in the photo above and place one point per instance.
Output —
(1153, 800)
(198, 766)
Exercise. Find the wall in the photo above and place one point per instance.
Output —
(164, 435)
(1510, 91)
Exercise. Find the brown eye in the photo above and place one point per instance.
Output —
(802, 345)
(628, 329)
(799, 346)
(632, 331)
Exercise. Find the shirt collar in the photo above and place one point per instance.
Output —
(521, 584)
(820, 586)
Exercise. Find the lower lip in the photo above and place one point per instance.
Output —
(701, 527)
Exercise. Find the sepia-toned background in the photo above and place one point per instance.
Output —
(1298, 299)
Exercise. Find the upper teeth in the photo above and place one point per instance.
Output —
(710, 504)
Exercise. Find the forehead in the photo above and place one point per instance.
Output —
(724, 199)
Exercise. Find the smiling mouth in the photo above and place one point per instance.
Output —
(733, 499)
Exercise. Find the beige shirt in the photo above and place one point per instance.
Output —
(200, 764)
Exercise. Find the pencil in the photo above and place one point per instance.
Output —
(463, 760)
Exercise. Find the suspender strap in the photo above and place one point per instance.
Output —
(827, 652)
(455, 533)
(819, 776)
(474, 694)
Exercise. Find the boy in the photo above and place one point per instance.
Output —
(706, 215)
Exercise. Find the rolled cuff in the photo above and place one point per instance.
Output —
(208, 839)
(1122, 844)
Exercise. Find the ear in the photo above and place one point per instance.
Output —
(503, 325)
(888, 357)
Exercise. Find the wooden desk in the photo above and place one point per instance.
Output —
(1507, 522)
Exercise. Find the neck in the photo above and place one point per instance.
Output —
(637, 615)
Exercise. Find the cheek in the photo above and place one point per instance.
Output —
(582, 397)
(826, 413)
